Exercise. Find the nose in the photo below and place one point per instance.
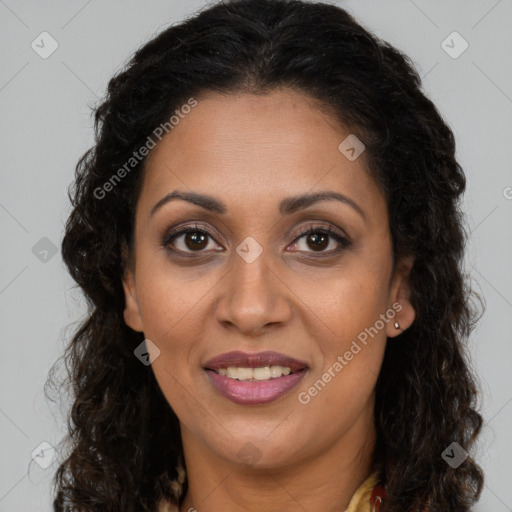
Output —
(254, 297)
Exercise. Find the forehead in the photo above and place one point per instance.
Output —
(251, 148)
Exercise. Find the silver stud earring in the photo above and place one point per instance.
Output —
(397, 325)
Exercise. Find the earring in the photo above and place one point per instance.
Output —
(397, 325)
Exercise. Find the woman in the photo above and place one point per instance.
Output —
(268, 234)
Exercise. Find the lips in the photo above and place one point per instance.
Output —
(254, 392)
(256, 360)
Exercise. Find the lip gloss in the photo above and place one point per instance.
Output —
(254, 392)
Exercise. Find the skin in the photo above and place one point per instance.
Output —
(251, 152)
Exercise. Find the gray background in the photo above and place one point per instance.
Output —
(46, 126)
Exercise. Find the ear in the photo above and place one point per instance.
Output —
(399, 298)
(132, 315)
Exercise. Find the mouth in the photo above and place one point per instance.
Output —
(253, 379)
(261, 373)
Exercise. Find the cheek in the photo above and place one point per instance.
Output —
(350, 353)
(172, 299)
(173, 317)
(345, 299)
(345, 320)
(172, 320)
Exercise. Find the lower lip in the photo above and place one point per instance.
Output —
(254, 392)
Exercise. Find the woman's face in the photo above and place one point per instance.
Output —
(247, 279)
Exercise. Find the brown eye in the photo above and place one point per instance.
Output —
(317, 242)
(195, 240)
(188, 240)
(318, 239)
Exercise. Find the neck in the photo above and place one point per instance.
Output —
(324, 481)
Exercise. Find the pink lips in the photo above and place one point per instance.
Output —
(254, 392)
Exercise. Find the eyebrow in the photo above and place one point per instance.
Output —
(286, 206)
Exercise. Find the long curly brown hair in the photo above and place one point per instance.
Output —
(124, 438)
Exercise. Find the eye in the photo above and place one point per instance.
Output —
(197, 239)
(187, 240)
(318, 238)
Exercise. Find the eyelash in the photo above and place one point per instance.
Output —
(324, 230)
(330, 232)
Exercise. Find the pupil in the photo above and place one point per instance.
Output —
(197, 240)
(315, 238)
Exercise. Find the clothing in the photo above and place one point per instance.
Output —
(360, 501)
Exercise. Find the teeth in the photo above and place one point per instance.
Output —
(262, 373)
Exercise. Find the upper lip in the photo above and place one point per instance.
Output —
(255, 360)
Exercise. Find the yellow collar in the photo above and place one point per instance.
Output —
(360, 501)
